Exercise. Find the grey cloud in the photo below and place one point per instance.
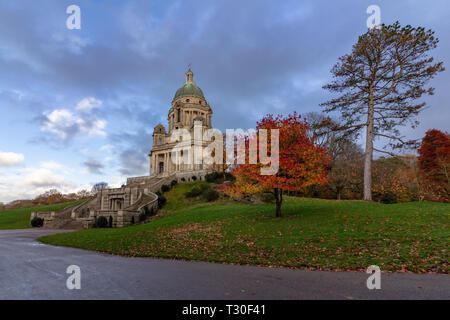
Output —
(134, 146)
(94, 166)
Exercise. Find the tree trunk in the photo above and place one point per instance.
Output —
(278, 201)
(369, 154)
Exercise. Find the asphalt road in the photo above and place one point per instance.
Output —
(30, 270)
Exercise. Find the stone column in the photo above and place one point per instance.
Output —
(165, 162)
(152, 164)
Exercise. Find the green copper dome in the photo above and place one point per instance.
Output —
(189, 89)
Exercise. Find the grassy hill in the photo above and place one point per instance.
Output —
(313, 234)
(20, 218)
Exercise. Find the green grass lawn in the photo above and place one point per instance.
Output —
(312, 234)
(20, 218)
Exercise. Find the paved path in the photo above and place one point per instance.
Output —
(30, 270)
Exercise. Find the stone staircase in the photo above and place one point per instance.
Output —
(82, 218)
(63, 220)
(144, 200)
(65, 224)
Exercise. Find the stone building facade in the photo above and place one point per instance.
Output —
(173, 152)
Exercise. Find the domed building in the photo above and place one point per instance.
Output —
(189, 111)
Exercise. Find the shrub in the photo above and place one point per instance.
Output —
(101, 222)
(174, 183)
(110, 222)
(219, 177)
(194, 178)
(211, 195)
(142, 216)
(205, 187)
(388, 198)
(165, 188)
(209, 178)
(183, 179)
(37, 222)
(212, 177)
(229, 177)
(161, 201)
(149, 212)
(194, 192)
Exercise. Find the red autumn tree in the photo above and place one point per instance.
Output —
(301, 162)
(434, 160)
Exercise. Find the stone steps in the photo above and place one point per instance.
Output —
(65, 224)
(143, 201)
(63, 220)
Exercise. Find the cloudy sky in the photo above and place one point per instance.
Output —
(78, 106)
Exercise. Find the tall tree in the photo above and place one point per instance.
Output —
(301, 162)
(379, 83)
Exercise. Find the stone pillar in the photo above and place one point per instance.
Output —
(166, 169)
(168, 162)
(150, 159)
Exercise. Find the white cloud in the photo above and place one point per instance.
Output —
(9, 159)
(88, 104)
(27, 183)
(107, 148)
(97, 128)
(52, 165)
(42, 178)
(65, 124)
(84, 151)
(61, 123)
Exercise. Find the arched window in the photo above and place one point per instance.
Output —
(179, 115)
(187, 100)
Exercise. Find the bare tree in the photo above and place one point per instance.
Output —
(346, 169)
(379, 83)
(326, 133)
(99, 186)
